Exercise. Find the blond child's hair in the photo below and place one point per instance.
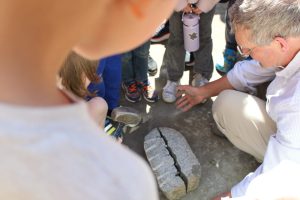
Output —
(74, 72)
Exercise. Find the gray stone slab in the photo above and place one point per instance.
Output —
(173, 188)
(162, 163)
(176, 168)
(189, 164)
(154, 146)
(154, 134)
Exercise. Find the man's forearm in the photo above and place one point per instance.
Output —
(215, 87)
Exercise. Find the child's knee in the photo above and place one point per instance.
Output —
(98, 108)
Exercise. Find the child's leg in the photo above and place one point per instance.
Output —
(128, 77)
(175, 52)
(140, 62)
(203, 57)
(98, 110)
(174, 57)
(127, 67)
(230, 55)
(112, 77)
(110, 71)
(229, 37)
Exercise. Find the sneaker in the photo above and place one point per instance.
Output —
(152, 66)
(199, 81)
(169, 91)
(126, 115)
(229, 59)
(162, 33)
(121, 117)
(114, 129)
(132, 93)
(148, 92)
(189, 59)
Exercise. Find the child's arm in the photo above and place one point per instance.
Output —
(206, 5)
(181, 5)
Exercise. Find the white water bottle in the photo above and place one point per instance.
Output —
(191, 31)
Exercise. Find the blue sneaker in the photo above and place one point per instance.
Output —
(229, 60)
(114, 129)
(120, 118)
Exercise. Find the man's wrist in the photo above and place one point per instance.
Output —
(204, 92)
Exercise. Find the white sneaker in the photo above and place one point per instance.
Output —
(199, 80)
(169, 91)
(152, 66)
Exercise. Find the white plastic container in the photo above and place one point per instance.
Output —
(191, 31)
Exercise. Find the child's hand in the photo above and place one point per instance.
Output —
(191, 8)
(197, 10)
(187, 9)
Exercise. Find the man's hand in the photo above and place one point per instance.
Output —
(190, 96)
(219, 197)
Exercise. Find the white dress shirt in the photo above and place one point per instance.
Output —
(283, 106)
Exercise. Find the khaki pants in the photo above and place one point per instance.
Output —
(243, 119)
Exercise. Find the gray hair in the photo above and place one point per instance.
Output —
(266, 19)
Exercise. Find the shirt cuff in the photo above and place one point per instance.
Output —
(236, 191)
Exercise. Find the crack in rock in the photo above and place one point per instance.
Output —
(179, 173)
(175, 166)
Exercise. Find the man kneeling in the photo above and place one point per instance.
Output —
(269, 32)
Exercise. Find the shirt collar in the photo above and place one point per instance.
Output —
(291, 68)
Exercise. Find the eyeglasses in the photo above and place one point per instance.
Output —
(245, 52)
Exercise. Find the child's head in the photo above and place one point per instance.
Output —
(125, 25)
(76, 72)
(36, 36)
(94, 29)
